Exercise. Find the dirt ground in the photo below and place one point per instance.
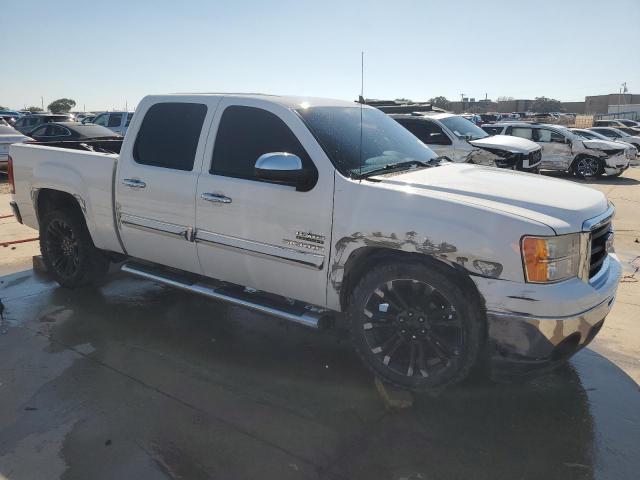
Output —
(136, 380)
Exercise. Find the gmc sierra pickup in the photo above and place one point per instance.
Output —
(307, 209)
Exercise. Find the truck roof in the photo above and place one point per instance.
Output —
(288, 101)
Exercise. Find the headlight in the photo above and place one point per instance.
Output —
(551, 259)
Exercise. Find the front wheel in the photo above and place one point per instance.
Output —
(68, 251)
(415, 326)
(587, 167)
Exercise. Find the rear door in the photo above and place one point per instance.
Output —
(258, 234)
(157, 175)
(556, 151)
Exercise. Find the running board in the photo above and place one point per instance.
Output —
(306, 315)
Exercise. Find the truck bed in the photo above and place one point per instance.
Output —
(71, 167)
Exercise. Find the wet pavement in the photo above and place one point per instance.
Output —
(136, 380)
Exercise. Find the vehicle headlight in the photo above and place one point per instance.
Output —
(551, 259)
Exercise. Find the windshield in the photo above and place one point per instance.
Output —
(384, 141)
(463, 128)
(622, 133)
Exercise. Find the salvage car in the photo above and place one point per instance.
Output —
(589, 134)
(315, 211)
(8, 135)
(65, 131)
(617, 135)
(462, 141)
(565, 151)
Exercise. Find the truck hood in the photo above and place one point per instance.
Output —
(560, 204)
(506, 142)
(13, 138)
(603, 145)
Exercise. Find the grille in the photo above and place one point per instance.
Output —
(534, 157)
(599, 237)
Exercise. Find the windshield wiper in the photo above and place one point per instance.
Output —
(389, 167)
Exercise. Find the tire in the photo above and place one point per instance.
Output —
(415, 326)
(68, 251)
(587, 167)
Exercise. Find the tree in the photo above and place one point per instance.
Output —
(505, 99)
(440, 102)
(62, 105)
(34, 109)
(545, 105)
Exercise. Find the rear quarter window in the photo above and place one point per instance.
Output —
(169, 135)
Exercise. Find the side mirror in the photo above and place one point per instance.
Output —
(284, 168)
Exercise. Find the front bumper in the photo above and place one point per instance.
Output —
(616, 164)
(537, 327)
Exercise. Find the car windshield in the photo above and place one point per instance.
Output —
(622, 133)
(384, 141)
(463, 128)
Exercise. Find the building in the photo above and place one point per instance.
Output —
(601, 103)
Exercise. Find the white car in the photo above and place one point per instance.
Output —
(115, 121)
(8, 135)
(313, 210)
(589, 134)
(460, 140)
(566, 151)
(616, 135)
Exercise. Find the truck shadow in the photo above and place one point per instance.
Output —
(307, 393)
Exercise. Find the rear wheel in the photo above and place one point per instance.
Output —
(587, 167)
(415, 326)
(68, 251)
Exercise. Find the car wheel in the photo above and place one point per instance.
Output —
(587, 167)
(415, 326)
(68, 251)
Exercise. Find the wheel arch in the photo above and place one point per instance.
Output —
(362, 258)
(47, 200)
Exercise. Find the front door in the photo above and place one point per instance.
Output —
(156, 183)
(257, 234)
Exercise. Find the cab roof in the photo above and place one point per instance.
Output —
(288, 101)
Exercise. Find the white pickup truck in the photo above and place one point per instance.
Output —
(308, 209)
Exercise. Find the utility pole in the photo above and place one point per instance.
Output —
(42, 102)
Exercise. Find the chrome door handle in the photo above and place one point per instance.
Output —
(130, 182)
(214, 197)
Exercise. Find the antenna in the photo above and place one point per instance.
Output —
(361, 100)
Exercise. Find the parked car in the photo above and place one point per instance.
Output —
(8, 135)
(435, 264)
(632, 150)
(565, 151)
(116, 121)
(30, 122)
(460, 140)
(490, 117)
(616, 134)
(473, 118)
(619, 124)
(64, 131)
(9, 118)
(629, 123)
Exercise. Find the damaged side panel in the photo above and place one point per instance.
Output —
(472, 238)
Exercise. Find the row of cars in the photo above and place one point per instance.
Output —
(47, 128)
(526, 146)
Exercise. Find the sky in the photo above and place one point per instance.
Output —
(109, 54)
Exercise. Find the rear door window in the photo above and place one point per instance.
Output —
(522, 132)
(246, 133)
(428, 132)
(169, 135)
(115, 120)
